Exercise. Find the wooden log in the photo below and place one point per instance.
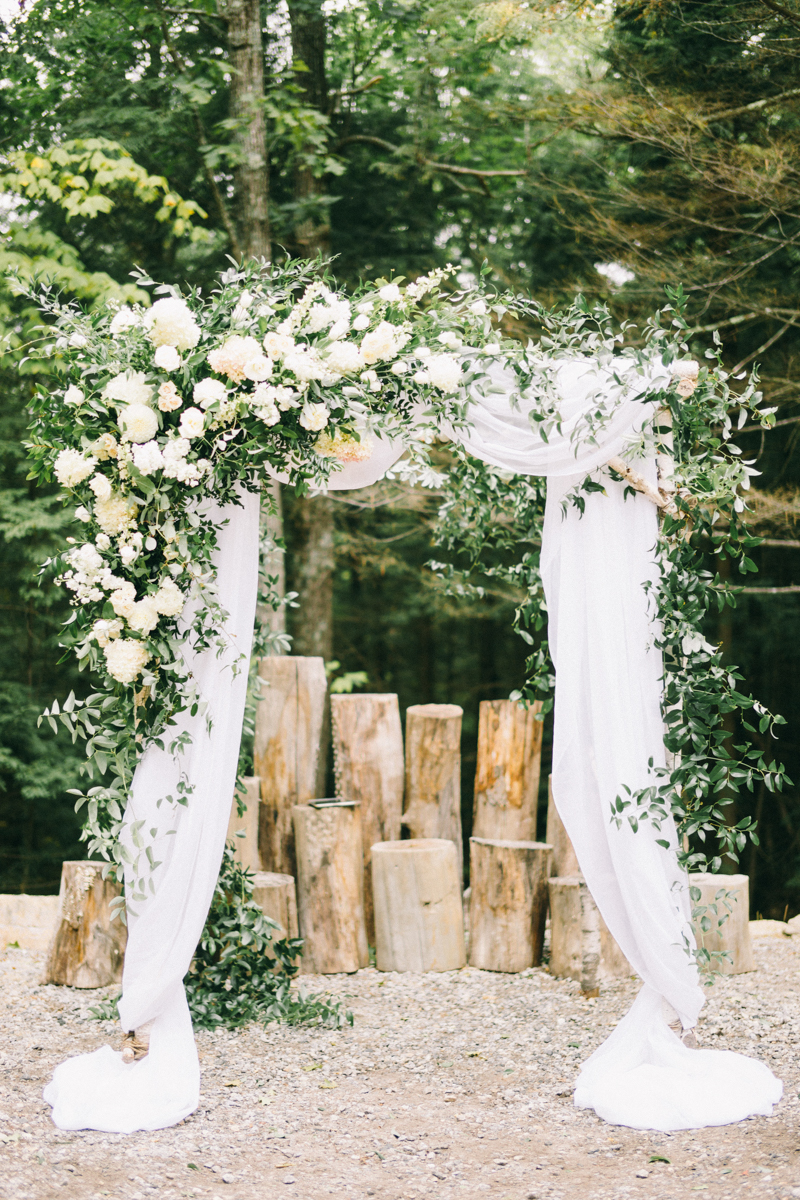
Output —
(368, 764)
(287, 746)
(243, 831)
(565, 860)
(507, 775)
(419, 920)
(276, 897)
(27, 921)
(508, 903)
(88, 948)
(581, 946)
(432, 807)
(330, 887)
(730, 894)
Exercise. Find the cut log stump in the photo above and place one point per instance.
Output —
(88, 948)
(564, 861)
(581, 946)
(289, 717)
(330, 887)
(276, 897)
(368, 764)
(730, 894)
(419, 920)
(507, 775)
(433, 773)
(243, 831)
(508, 903)
(27, 921)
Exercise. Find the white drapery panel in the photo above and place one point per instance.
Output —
(607, 727)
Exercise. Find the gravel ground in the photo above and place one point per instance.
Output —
(454, 1085)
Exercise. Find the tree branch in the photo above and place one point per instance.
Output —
(745, 108)
(431, 163)
(782, 11)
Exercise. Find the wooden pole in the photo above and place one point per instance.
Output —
(419, 919)
(433, 773)
(287, 747)
(730, 895)
(508, 903)
(507, 774)
(330, 887)
(368, 763)
(276, 897)
(564, 860)
(246, 847)
(88, 948)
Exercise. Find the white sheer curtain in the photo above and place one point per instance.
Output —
(607, 727)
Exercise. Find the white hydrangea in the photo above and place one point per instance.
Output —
(125, 659)
(86, 573)
(148, 458)
(444, 372)
(170, 322)
(175, 451)
(129, 387)
(73, 395)
(115, 515)
(143, 615)
(123, 598)
(124, 319)
(264, 404)
(169, 599)
(305, 365)
(345, 357)
(72, 467)
(192, 423)
(176, 466)
(138, 423)
(233, 355)
(101, 486)
(321, 316)
(385, 341)
(314, 417)
(209, 391)
(167, 358)
(278, 344)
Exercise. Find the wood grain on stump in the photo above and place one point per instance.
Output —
(289, 717)
(419, 919)
(564, 861)
(730, 894)
(276, 897)
(243, 831)
(330, 888)
(433, 773)
(88, 948)
(508, 903)
(581, 946)
(507, 774)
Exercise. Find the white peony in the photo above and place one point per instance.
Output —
(344, 357)
(258, 368)
(148, 458)
(208, 391)
(167, 358)
(169, 599)
(390, 292)
(385, 341)
(314, 417)
(124, 319)
(123, 598)
(278, 344)
(72, 467)
(125, 659)
(170, 322)
(192, 423)
(101, 486)
(129, 387)
(230, 358)
(143, 615)
(73, 395)
(138, 423)
(361, 322)
(444, 372)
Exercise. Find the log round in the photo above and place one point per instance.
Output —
(330, 888)
(419, 918)
(507, 774)
(564, 861)
(508, 903)
(275, 895)
(433, 773)
(368, 765)
(289, 717)
(581, 946)
(243, 831)
(730, 895)
(88, 947)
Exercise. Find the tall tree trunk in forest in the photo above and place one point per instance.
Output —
(251, 174)
(308, 47)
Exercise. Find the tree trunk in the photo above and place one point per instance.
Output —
(88, 948)
(419, 918)
(308, 47)
(271, 618)
(508, 903)
(433, 773)
(246, 846)
(251, 173)
(330, 888)
(275, 895)
(507, 774)
(733, 936)
(581, 945)
(564, 860)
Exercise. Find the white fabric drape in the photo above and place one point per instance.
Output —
(607, 726)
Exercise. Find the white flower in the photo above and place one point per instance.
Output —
(129, 387)
(478, 308)
(344, 357)
(115, 515)
(72, 468)
(170, 322)
(365, 306)
(334, 312)
(384, 342)
(104, 632)
(125, 659)
(101, 486)
(685, 367)
(169, 398)
(372, 380)
(143, 615)
(105, 447)
(102, 541)
(148, 458)
(491, 348)
(449, 337)
(82, 514)
(167, 358)
(208, 391)
(338, 330)
(390, 292)
(124, 319)
(192, 423)
(258, 368)
(176, 450)
(444, 372)
(128, 554)
(73, 395)
(399, 368)
(278, 344)
(268, 413)
(314, 417)
(123, 598)
(361, 322)
(303, 364)
(344, 447)
(138, 423)
(695, 643)
(169, 599)
(230, 358)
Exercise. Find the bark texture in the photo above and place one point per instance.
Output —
(330, 888)
(246, 846)
(419, 919)
(733, 937)
(251, 173)
(564, 860)
(581, 946)
(432, 806)
(508, 903)
(275, 895)
(507, 773)
(309, 37)
(88, 948)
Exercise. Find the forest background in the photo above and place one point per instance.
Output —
(608, 149)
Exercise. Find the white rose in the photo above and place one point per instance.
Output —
(361, 322)
(491, 348)
(192, 423)
(125, 659)
(82, 514)
(148, 458)
(258, 369)
(129, 387)
(390, 292)
(399, 368)
(314, 417)
(101, 486)
(208, 391)
(170, 322)
(138, 423)
(444, 372)
(384, 342)
(105, 631)
(278, 344)
(103, 541)
(128, 554)
(73, 395)
(72, 467)
(124, 319)
(167, 358)
(449, 338)
(478, 308)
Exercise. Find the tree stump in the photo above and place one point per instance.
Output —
(734, 911)
(419, 919)
(275, 896)
(368, 763)
(565, 860)
(27, 921)
(88, 948)
(507, 775)
(330, 887)
(581, 946)
(246, 847)
(433, 773)
(508, 903)
(287, 745)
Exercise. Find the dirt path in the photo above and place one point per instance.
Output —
(447, 1086)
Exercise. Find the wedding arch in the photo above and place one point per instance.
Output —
(166, 423)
